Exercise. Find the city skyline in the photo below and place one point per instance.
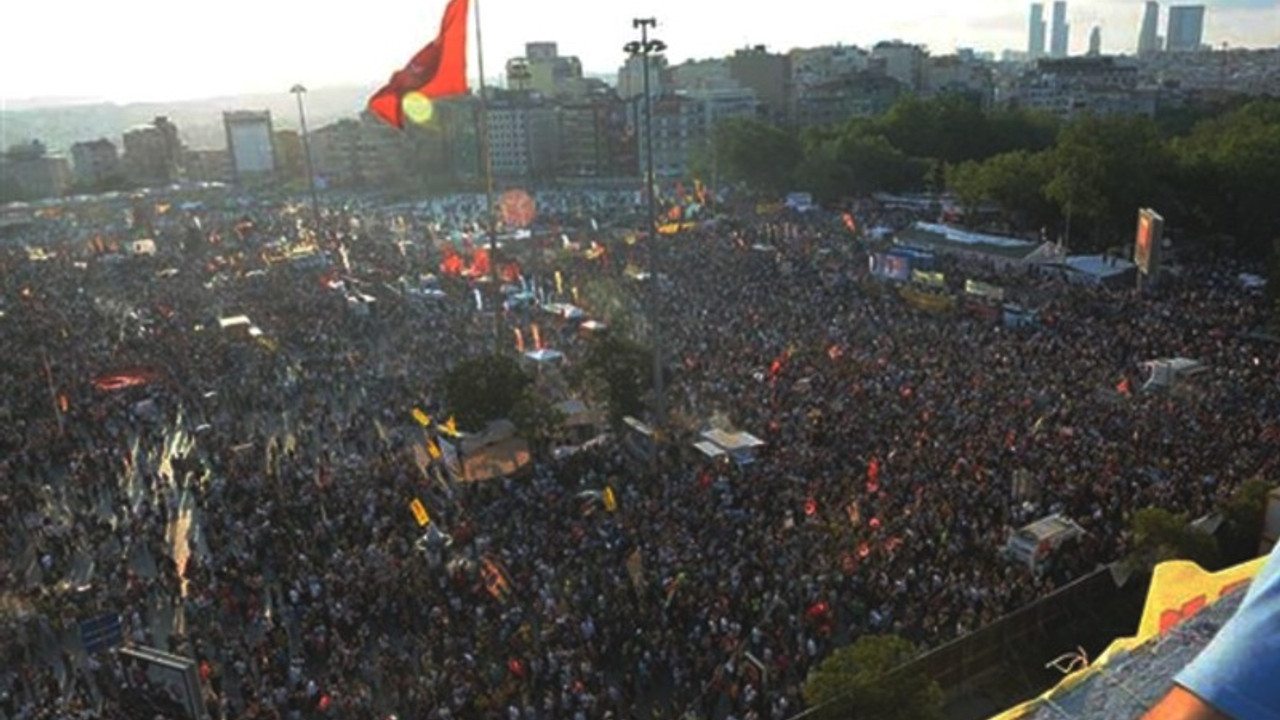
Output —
(251, 48)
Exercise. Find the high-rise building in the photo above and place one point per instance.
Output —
(1060, 39)
(251, 144)
(1186, 28)
(1148, 36)
(1095, 41)
(1035, 38)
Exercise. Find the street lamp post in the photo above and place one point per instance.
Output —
(298, 91)
(644, 48)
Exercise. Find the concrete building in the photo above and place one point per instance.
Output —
(862, 94)
(97, 162)
(769, 76)
(251, 144)
(291, 160)
(631, 77)
(1070, 87)
(1149, 34)
(814, 66)
(594, 139)
(1060, 42)
(545, 71)
(679, 131)
(960, 74)
(1186, 28)
(153, 154)
(901, 61)
(358, 153)
(208, 165)
(1095, 41)
(28, 172)
(698, 75)
(524, 135)
(1035, 34)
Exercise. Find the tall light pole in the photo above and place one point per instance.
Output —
(644, 48)
(298, 91)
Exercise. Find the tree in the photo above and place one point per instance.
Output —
(756, 153)
(1229, 167)
(1160, 535)
(866, 681)
(1242, 519)
(874, 164)
(619, 370)
(484, 388)
(1016, 181)
(1104, 169)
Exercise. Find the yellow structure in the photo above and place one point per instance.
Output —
(1179, 589)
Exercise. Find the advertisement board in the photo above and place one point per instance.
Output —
(1146, 247)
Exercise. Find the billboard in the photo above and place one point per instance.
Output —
(1146, 247)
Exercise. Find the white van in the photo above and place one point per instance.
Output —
(1034, 543)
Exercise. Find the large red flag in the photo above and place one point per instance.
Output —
(438, 70)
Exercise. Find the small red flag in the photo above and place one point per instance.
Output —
(437, 70)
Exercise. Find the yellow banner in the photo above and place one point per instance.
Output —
(610, 502)
(423, 419)
(450, 427)
(432, 449)
(929, 279)
(932, 302)
(673, 228)
(420, 513)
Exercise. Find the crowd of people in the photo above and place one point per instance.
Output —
(242, 500)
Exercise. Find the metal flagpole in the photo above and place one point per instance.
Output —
(487, 159)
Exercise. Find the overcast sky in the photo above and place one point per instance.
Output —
(134, 50)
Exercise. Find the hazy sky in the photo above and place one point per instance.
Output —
(131, 50)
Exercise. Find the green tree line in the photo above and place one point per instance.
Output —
(1210, 172)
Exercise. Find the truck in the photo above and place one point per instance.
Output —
(1036, 542)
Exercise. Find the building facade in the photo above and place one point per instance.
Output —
(901, 61)
(1071, 87)
(207, 165)
(594, 137)
(358, 153)
(631, 77)
(1060, 42)
(768, 75)
(28, 172)
(545, 71)
(1186, 28)
(97, 163)
(153, 154)
(251, 144)
(1035, 34)
(523, 134)
(679, 131)
(1149, 34)
(862, 94)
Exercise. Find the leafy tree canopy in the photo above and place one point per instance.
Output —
(856, 682)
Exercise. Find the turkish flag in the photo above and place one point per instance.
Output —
(438, 70)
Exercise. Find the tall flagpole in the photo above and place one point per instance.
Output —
(487, 159)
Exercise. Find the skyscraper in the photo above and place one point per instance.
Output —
(1061, 30)
(1095, 41)
(1186, 28)
(1035, 41)
(1148, 36)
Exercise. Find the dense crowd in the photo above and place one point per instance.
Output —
(245, 505)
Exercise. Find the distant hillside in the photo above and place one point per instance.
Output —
(198, 121)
